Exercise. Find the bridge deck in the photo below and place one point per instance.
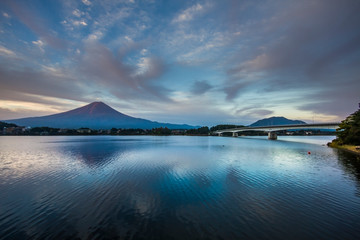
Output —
(282, 127)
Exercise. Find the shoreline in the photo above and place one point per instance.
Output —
(348, 148)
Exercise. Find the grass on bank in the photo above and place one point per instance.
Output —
(348, 134)
(350, 148)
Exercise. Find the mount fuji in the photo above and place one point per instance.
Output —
(96, 115)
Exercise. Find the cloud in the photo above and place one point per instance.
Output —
(341, 100)
(40, 44)
(332, 57)
(259, 113)
(189, 13)
(201, 87)
(309, 47)
(33, 105)
(109, 17)
(204, 46)
(206, 111)
(301, 57)
(6, 52)
(77, 13)
(144, 52)
(43, 83)
(86, 2)
(79, 23)
(7, 113)
(152, 68)
(6, 15)
(95, 36)
(33, 21)
(253, 111)
(123, 80)
(16, 96)
(232, 91)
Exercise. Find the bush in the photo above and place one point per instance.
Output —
(349, 130)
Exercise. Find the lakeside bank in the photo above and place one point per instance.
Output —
(349, 148)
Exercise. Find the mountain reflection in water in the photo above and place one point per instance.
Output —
(144, 187)
(97, 153)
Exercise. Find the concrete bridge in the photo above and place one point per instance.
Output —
(271, 130)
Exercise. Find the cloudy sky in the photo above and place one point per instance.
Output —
(195, 62)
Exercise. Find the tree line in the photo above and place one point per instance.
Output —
(348, 132)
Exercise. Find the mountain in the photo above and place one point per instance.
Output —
(96, 115)
(273, 121)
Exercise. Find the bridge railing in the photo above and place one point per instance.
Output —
(333, 125)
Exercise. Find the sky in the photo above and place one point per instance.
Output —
(195, 62)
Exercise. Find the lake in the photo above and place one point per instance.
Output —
(177, 187)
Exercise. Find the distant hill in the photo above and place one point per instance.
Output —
(96, 115)
(273, 121)
(6, 125)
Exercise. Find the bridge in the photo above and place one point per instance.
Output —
(271, 130)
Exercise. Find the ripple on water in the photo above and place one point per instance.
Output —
(176, 188)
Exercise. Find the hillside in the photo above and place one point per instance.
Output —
(96, 115)
(274, 121)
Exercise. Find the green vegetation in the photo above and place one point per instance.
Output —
(6, 125)
(348, 132)
(349, 148)
(12, 129)
(224, 126)
(199, 131)
(161, 131)
(43, 131)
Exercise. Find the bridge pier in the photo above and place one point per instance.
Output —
(271, 130)
(272, 136)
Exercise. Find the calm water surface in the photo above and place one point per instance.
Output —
(177, 187)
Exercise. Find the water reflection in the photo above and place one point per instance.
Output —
(95, 153)
(176, 188)
(351, 164)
